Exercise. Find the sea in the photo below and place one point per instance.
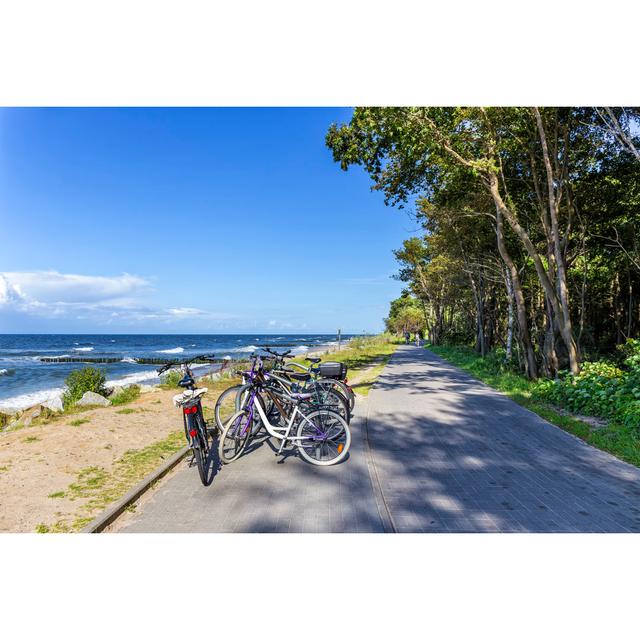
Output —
(26, 380)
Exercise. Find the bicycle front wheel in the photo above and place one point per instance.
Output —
(234, 438)
(323, 437)
(226, 405)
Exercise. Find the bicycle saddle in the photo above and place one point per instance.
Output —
(302, 377)
(313, 359)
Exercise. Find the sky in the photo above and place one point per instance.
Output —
(201, 220)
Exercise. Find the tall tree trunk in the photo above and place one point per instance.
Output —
(510, 297)
(531, 368)
(543, 277)
(564, 318)
(630, 306)
(549, 349)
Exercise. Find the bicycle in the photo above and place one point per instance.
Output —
(190, 401)
(332, 375)
(325, 379)
(324, 392)
(322, 435)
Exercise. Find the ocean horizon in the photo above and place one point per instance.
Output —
(25, 379)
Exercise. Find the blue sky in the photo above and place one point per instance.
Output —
(188, 220)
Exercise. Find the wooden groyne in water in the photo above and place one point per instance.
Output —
(97, 360)
(158, 361)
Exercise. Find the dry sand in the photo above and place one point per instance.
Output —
(37, 461)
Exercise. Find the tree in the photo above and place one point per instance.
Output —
(501, 196)
(405, 314)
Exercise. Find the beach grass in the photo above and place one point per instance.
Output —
(126, 395)
(97, 487)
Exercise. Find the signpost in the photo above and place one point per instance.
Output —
(338, 339)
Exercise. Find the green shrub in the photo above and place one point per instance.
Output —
(80, 381)
(126, 395)
(171, 379)
(601, 389)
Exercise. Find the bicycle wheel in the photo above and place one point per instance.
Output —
(201, 457)
(226, 405)
(327, 397)
(234, 437)
(202, 425)
(324, 437)
(347, 392)
(200, 446)
(340, 387)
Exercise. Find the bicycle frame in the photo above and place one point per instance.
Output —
(282, 433)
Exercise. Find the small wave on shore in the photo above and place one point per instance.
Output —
(29, 399)
(83, 348)
(174, 350)
(300, 349)
(7, 372)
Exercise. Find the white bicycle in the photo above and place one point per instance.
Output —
(322, 435)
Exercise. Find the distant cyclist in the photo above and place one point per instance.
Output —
(417, 339)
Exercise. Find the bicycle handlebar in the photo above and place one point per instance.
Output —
(276, 354)
(168, 365)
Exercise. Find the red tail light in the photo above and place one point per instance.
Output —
(193, 409)
(193, 433)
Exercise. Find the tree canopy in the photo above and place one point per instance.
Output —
(530, 217)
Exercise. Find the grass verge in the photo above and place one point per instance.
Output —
(616, 439)
(97, 488)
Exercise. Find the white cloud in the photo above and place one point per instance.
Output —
(185, 311)
(105, 299)
(9, 293)
(54, 287)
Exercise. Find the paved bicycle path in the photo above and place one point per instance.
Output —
(258, 494)
(448, 454)
(454, 455)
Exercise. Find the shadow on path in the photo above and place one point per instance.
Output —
(454, 455)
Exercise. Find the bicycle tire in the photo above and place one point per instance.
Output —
(201, 462)
(331, 399)
(342, 388)
(228, 437)
(333, 449)
(221, 419)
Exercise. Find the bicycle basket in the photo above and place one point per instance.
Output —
(337, 370)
